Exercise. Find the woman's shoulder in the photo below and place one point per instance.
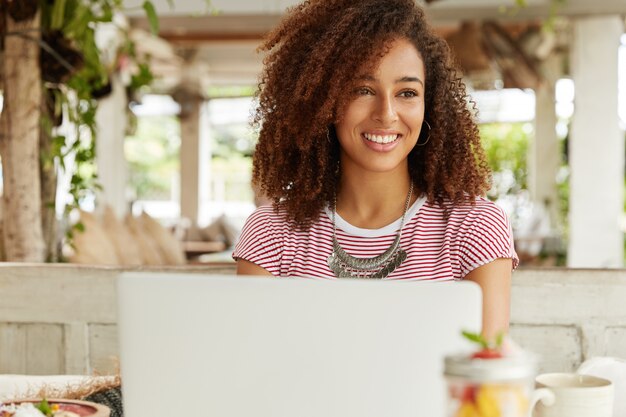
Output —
(482, 206)
(278, 214)
(268, 212)
(469, 210)
(275, 217)
(264, 217)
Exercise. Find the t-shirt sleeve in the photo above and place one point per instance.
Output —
(489, 237)
(260, 240)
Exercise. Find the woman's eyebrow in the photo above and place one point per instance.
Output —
(405, 79)
(408, 79)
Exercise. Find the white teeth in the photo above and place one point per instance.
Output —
(380, 139)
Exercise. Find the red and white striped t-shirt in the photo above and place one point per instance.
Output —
(438, 248)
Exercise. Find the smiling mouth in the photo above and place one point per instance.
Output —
(383, 139)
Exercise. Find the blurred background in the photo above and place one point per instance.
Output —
(168, 120)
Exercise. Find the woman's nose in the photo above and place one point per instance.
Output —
(385, 111)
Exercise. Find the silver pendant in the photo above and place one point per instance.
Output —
(343, 269)
(345, 265)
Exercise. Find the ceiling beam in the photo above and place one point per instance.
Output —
(192, 31)
(189, 30)
(441, 14)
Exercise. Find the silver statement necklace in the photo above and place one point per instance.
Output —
(345, 265)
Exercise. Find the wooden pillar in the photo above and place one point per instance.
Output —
(19, 142)
(596, 147)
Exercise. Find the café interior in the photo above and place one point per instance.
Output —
(174, 158)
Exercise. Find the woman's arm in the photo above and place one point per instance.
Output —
(248, 268)
(494, 279)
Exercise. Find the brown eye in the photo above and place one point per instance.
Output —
(363, 91)
(408, 94)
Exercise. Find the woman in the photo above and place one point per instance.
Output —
(371, 157)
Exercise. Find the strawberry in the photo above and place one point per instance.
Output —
(469, 394)
(487, 354)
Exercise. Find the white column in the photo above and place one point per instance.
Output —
(190, 158)
(110, 159)
(545, 152)
(596, 147)
(204, 171)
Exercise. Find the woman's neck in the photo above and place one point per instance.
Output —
(373, 200)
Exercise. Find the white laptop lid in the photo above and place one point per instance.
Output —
(229, 346)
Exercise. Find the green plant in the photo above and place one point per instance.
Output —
(506, 148)
(75, 77)
(555, 7)
(152, 153)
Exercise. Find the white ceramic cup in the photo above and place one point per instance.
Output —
(575, 395)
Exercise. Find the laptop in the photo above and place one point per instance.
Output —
(228, 346)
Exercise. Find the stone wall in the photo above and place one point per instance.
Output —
(61, 319)
(569, 315)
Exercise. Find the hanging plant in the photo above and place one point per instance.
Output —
(74, 76)
(21, 10)
(555, 8)
(59, 58)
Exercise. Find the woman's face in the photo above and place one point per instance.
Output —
(383, 119)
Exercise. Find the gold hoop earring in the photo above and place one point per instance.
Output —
(427, 137)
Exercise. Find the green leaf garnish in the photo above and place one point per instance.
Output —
(483, 342)
(44, 407)
(499, 339)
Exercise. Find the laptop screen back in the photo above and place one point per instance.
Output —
(240, 347)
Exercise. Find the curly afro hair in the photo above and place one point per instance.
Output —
(313, 58)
